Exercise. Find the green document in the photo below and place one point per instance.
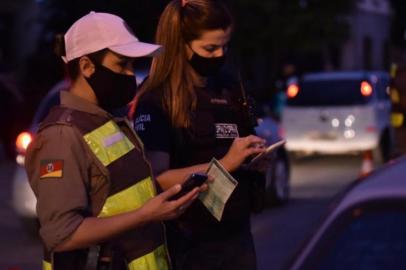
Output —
(219, 190)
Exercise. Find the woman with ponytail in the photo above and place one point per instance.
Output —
(187, 113)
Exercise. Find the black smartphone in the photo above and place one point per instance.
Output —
(194, 180)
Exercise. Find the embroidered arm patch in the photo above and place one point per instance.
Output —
(51, 169)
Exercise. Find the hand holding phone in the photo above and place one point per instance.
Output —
(194, 180)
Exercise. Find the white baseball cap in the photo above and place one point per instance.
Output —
(97, 31)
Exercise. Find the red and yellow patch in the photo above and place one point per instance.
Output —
(51, 169)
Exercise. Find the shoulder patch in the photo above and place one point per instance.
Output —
(51, 168)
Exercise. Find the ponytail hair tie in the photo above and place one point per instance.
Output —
(184, 2)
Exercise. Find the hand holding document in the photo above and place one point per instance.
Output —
(219, 190)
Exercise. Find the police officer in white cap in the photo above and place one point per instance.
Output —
(88, 170)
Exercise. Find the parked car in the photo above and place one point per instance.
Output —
(366, 228)
(339, 112)
(277, 181)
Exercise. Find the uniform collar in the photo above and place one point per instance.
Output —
(77, 103)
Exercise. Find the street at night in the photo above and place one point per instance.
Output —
(278, 231)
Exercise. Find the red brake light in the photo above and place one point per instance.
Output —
(292, 91)
(23, 140)
(366, 89)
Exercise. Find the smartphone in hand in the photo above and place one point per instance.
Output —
(194, 180)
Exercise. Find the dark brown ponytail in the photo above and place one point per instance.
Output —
(180, 23)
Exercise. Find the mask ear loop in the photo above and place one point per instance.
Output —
(190, 47)
(193, 51)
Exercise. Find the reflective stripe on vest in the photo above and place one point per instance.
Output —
(129, 199)
(46, 265)
(143, 248)
(155, 260)
(108, 143)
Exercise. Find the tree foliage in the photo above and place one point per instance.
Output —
(300, 24)
(268, 32)
(289, 30)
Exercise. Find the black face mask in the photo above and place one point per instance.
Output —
(206, 66)
(113, 90)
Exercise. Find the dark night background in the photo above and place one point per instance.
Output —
(273, 40)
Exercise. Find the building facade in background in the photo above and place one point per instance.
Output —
(368, 47)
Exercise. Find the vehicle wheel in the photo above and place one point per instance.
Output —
(277, 182)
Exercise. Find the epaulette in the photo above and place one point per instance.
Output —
(58, 115)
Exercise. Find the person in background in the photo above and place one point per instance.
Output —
(188, 112)
(78, 165)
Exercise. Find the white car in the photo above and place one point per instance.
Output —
(365, 228)
(338, 113)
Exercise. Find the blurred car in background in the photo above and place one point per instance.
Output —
(365, 229)
(339, 112)
(277, 181)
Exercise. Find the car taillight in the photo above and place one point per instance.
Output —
(366, 89)
(22, 141)
(292, 90)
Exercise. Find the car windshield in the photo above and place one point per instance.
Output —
(363, 238)
(329, 93)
